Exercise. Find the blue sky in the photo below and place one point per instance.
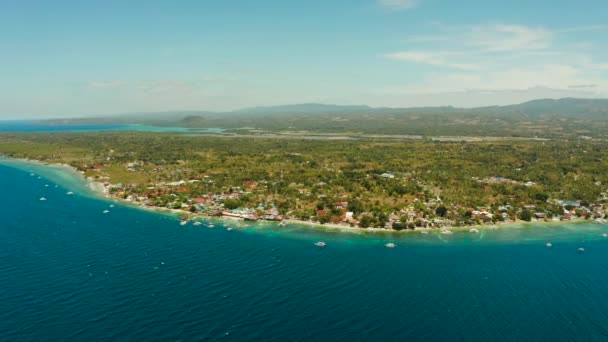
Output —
(73, 58)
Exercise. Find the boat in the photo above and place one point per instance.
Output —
(424, 231)
(210, 225)
(43, 199)
(111, 205)
(31, 174)
(46, 185)
(446, 232)
(320, 244)
(549, 244)
(69, 193)
(581, 250)
(183, 223)
(106, 211)
(283, 224)
(197, 223)
(390, 245)
(605, 235)
(229, 229)
(474, 231)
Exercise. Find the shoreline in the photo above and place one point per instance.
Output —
(100, 189)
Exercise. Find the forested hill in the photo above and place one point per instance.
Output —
(563, 118)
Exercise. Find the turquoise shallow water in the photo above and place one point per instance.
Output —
(29, 126)
(68, 271)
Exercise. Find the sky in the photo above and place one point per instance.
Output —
(81, 58)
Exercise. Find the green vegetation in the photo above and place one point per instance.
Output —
(369, 183)
(552, 119)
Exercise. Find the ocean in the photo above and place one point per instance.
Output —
(24, 126)
(70, 272)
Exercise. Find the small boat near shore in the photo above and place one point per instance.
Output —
(69, 193)
(549, 244)
(42, 199)
(474, 231)
(282, 223)
(197, 223)
(105, 211)
(183, 223)
(581, 250)
(320, 244)
(390, 245)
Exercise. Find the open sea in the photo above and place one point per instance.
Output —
(68, 271)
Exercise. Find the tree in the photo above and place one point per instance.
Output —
(355, 206)
(365, 221)
(232, 203)
(399, 225)
(526, 215)
(441, 211)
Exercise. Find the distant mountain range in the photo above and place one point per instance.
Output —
(543, 107)
(563, 119)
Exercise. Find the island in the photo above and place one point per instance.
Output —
(365, 183)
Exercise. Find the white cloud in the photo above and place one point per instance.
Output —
(398, 4)
(491, 38)
(436, 59)
(502, 38)
(107, 84)
(503, 57)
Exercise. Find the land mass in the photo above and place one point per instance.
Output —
(366, 183)
(549, 119)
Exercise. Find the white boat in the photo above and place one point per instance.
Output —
(69, 193)
(43, 199)
(549, 244)
(46, 185)
(446, 232)
(210, 226)
(197, 223)
(581, 250)
(424, 231)
(111, 205)
(229, 228)
(605, 235)
(474, 231)
(390, 245)
(183, 223)
(31, 174)
(106, 211)
(320, 244)
(282, 224)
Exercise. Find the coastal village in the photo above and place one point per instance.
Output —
(367, 184)
(188, 196)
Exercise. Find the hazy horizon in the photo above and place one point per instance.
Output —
(67, 58)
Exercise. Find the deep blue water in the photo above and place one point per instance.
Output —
(70, 272)
(31, 126)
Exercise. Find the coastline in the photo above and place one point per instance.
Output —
(98, 189)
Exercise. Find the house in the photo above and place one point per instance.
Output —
(341, 205)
